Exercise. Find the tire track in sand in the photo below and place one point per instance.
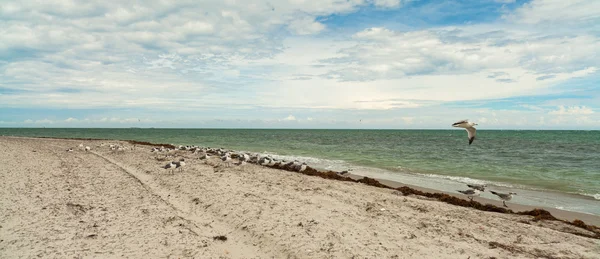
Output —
(184, 212)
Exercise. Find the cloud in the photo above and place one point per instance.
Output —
(383, 53)
(532, 107)
(102, 62)
(290, 118)
(387, 3)
(305, 26)
(572, 110)
(545, 12)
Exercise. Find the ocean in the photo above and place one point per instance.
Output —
(555, 168)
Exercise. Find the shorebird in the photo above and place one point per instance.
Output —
(264, 160)
(465, 124)
(87, 148)
(170, 165)
(302, 167)
(244, 157)
(206, 156)
(70, 150)
(470, 193)
(480, 187)
(504, 197)
(180, 164)
(226, 159)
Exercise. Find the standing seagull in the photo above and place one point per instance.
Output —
(180, 164)
(470, 193)
(170, 165)
(504, 197)
(468, 126)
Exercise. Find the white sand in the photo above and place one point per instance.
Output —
(110, 204)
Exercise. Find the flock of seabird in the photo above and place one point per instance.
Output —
(476, 189)
(113, 147)
(227, 158)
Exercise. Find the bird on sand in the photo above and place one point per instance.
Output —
(180, 164)
(171, 165)
(470, 193)
(480, 187)
(469, 126)
(504, 196)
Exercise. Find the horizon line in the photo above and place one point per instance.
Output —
(479, 129)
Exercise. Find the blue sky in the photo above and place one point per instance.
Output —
(300, 64)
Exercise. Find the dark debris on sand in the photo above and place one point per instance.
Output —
(143, 143)
(220, 238)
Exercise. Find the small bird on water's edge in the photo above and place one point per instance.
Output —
(469, 126)
(504, 196)
(470, 193)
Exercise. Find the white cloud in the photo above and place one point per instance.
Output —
(557, 12)
(290, 118)
(532, 107)
(382, 53)
(387, 3)
(572, 110)
(305, 26)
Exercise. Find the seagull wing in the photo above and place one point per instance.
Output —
(459, 122)
(499, 194)
(468, 192)
(471, 132)
(476, 186)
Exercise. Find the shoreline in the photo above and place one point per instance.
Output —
(565, 215)
(590, 219)
(121, 202)
(573, 196)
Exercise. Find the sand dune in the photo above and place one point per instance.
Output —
(113, 204)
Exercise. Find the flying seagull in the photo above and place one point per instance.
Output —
(470, 193)
(468, 126)
(480, 187)
(504, 197)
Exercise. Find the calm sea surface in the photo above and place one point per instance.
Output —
(551, 168)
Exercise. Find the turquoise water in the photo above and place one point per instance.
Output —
(556, 161)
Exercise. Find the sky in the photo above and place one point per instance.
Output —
(385, 64)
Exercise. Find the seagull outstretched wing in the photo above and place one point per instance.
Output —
(471, 131)
(459, 122)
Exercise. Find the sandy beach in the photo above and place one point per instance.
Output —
(122, 204)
